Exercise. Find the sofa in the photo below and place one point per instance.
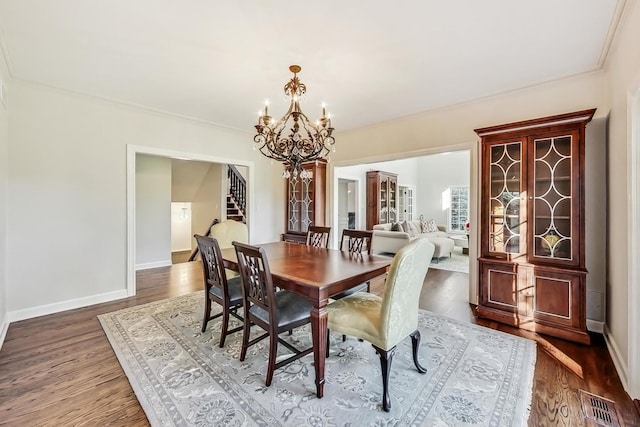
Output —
(386, 240)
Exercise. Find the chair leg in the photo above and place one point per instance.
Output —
(273, 350)
(225, 325)
(207, 312)
(386, 357)
(415, 342)
(245, 335)
(344, 337)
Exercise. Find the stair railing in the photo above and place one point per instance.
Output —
(237, 188)
(194, 253)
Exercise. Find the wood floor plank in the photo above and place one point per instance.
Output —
(60, 369)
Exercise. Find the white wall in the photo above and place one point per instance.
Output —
(68, 165)
(436, 173)
(623, 81)
(4, 165)
(153, 211)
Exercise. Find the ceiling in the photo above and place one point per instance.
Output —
(369, 60)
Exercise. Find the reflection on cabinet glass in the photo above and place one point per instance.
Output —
(382, 198)
(505, 171)
(532, 237)
(305, 202)
(552, 198)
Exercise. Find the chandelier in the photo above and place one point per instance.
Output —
(294, 139)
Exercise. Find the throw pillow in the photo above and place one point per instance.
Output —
(415, 228)
(432, 227)
(407, 228)
(423, 225)
(396, 227)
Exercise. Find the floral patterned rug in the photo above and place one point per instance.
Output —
(476, 376)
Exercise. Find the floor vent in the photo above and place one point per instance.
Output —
(599, 410)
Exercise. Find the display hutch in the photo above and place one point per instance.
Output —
(532, 236)
(382, 198)
(305, 201)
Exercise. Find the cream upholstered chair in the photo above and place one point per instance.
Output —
(228, 231)
(386, 321)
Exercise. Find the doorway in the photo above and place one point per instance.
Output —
(149, 205)
(347, 205)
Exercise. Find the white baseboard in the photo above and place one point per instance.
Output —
(4, 327)
(595, 326)
(57, 307)
(156, 264)
(616, 356)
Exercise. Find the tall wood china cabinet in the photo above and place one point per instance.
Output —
(305, 202)
(532, 254)
(382, 198)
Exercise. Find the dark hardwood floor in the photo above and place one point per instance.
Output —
(60, 370)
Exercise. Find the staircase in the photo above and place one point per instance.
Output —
(233, 210)
(237, 196)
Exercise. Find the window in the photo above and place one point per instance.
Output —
(458, 209)
(406, 203)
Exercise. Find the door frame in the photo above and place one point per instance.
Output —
(132, 151)
(474, 187)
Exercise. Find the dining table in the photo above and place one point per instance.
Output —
(316, 274)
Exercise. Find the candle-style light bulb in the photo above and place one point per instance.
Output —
(266, 107)
(324, 109)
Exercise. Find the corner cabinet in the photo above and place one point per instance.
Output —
(532, 238)
(305, 203)
(382, 198)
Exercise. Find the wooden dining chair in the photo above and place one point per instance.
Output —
(318, 236)
(386, 321)
(358, 241)
(227, 293)
(275, 312)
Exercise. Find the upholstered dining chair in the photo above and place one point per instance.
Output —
(318, 236)
(228, 231)
(227, 293)
(386, 321)
(275, 312)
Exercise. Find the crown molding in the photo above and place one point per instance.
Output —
(614, 29)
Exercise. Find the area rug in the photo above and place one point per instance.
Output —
(476, 376)
(456, 262)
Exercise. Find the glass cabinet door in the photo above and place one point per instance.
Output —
(393, 213)
(384, 200)
(505, 186)
(552, 201)
(300, 206)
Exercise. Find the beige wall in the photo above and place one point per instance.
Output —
(623, 80)
(67, 202)
(153, 211)
(207, 201)
(4, 165)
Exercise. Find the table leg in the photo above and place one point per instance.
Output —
(319, 334)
